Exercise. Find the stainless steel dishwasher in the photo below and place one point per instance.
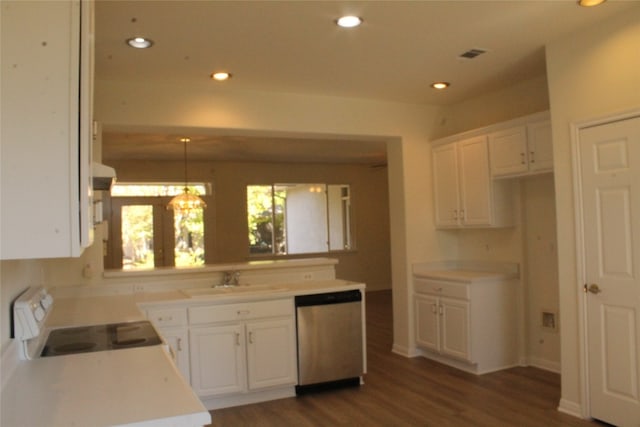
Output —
(329, 340)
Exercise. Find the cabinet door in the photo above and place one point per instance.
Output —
(45, 162)
(454, 321)
(540, 147)
(427, 322)
(508, 152)
(271, 353)
(475, 183)
(445, 185)
(178, 340)
(217, 359)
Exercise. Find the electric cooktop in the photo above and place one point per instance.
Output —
(87, 339)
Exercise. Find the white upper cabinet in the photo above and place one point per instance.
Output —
(521, 150)
(540, 145)
(465, 195)
(45, 127)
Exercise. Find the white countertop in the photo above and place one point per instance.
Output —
(135, 387)
(466, 271)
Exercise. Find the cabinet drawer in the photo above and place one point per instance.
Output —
(240, 311)
(441, 288)
(162, 317)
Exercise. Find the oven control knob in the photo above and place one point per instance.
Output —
(39, 313)
(46, 302)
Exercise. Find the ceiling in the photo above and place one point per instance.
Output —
(295, 46)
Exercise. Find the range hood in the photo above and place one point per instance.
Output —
(103, 176)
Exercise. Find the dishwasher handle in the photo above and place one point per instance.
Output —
(328, 298)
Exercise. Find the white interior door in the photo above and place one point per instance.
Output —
(610, 168)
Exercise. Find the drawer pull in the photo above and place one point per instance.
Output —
(243, 312)
(237, 339)
(434, 308)
(440, 310)
(438, 289)
(179, 344)
(165, 319)
(250, 337)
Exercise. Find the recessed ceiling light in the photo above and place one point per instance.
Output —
(589, 3)
(220, 76)
(140, 42)
(440, 85)
(349, 21)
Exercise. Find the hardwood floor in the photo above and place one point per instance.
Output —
(414, 392)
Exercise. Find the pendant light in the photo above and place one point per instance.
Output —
(186, 201)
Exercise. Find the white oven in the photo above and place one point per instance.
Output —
(31, 311)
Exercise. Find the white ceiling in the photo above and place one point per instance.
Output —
(294, 46)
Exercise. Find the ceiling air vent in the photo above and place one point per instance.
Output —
(472, 53)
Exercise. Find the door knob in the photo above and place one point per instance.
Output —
(593, 288)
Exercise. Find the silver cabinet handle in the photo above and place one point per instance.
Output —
(179, 345)
(533, 160)
(237, 339)
(250, 337)
(434, 308)
(440, 310)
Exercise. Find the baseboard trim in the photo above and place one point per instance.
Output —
(405, 351)
(212, 403)
(547, 365)
(570, 408)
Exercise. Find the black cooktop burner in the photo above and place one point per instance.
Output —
(86, 339)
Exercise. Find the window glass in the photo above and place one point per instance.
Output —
(298, 218)
(146, 234)
(137, 236)
(189, 238)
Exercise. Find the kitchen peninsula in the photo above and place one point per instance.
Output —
(143, 386)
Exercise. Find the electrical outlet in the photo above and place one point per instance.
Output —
(307, 276)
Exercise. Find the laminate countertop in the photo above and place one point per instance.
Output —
(134, 387)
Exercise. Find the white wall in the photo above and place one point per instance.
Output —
(540, 271)
(227, 242)
(306, 217)
(593, 73)
(538, 291)
(406, 128)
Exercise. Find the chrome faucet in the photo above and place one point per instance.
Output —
(229, 279)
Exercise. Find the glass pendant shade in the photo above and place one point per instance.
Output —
(185, 202)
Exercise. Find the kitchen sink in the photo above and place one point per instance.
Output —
(231, 290)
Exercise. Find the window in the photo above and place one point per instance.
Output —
(298, 218)
(145, 234)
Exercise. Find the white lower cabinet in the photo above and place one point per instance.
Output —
(171, 324)
(241, 348)
(442, 325)
(271, 353)
(470, 325)
(217, 359)
(178, 340)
